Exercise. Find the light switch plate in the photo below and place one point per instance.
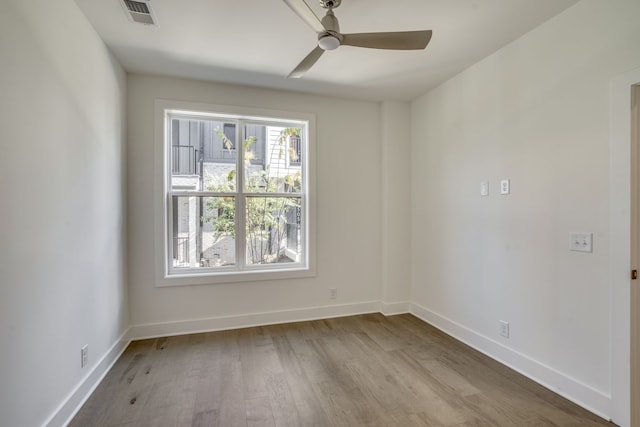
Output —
(504, 186)
(581, 242)
(484, 188)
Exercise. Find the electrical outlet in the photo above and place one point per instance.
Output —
(333, 293)
(84, 356)
(504, 329)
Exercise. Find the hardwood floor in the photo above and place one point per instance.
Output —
(367, 370)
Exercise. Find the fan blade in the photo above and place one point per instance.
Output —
(402, 40)
(306, 63)
(304, 11)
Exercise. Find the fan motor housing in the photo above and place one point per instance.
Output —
(330, 4)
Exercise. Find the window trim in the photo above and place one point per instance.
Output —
(162, 203)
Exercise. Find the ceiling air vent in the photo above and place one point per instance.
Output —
(139, 11)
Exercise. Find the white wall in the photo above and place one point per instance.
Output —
(537, 113)
(396, 215)
(62, 272)
(348, 216)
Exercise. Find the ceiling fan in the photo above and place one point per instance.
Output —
(330, 38)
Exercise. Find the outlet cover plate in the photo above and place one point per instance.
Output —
(504, 329)
(505, 186)
(484, 188)
(84, 355)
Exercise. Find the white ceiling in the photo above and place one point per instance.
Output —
(258, 42)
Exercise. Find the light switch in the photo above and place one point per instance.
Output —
(484, 188)
(581, 242)
(504, 186)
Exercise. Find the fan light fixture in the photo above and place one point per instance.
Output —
(328, 42)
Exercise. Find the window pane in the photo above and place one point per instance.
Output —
(203, 154)
(273, 230)
(273, 159)
(203, 231)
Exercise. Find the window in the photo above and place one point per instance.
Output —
(229, 138)
(295, 150)
(237, 199)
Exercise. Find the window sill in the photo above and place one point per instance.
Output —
(208, 278)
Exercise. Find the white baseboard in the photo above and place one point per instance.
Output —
(72, 404)
(153, 330)
(583, 395)
(391, 308)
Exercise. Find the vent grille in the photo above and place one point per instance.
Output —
(136, 6)
(139, 11)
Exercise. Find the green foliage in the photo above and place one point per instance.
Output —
(220, 211)
(266, 216)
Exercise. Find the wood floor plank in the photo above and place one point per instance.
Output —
(219, 394)
(283, 405)
(307, 404)
(366, 370)
(259, 412)
(381, 385)
(449, 378)
(415, 381)
(258, 359)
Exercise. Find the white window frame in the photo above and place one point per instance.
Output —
(162, 206)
